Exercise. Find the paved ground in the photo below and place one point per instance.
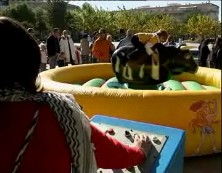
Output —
(206, 164)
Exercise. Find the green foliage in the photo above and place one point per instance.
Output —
(141, 21)
(90, 19)
(41, 25)
(123, 19)
(86, 18)
(69, 21)
(202, 26)
(56, 11)
(106, 21)
(22, 13)
(192, 14)
(216, 28)
(160, 22)
(179, 29)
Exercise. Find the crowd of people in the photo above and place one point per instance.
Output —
(53, 134)
(60, 50)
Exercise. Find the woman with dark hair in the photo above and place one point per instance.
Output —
(46, 131)
(85, 49)
(204, 52)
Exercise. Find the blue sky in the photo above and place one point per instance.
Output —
(113, 5)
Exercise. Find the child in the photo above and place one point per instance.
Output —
(149, 39)
(160, 36)
(61, 60)
(44, 56)
(112, 48)
(78, 59)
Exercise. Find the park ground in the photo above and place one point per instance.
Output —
(203, 164)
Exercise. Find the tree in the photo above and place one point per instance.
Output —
(124, 19)
(140, 21)
(202, 26)
(216, 28)
(41, 23)
(56, 11)
(105, 20)
(21, 13)
(89, 19)
(160, 21)
(69, 21)
(180, 29)
(86, 18)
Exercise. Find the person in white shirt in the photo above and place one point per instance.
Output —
(85, 50)
(44, 57)
(68, 49)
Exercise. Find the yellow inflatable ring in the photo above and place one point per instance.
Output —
(197, 112)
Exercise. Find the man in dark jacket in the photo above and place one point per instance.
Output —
(53, 48)
(204, 53)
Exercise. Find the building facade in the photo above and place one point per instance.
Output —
(182, 12)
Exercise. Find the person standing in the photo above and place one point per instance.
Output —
(150, 39)
(94, 37)
(44, 56)
(101, 47)
(112, 48)
(216, 53)
(204, 53)
(47, 132)
(161, 36)
(219, 58)
(53, 47)
(68, 49)
(85, 49)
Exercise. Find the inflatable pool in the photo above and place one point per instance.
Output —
(193, 103)
(168, 85)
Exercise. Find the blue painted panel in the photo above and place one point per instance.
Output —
(172, 155)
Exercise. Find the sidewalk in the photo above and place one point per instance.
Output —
(203, 164)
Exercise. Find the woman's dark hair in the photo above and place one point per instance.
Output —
(20, 56)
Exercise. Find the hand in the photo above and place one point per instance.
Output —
(143, 142)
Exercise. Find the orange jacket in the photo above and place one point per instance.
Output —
(101, 49)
